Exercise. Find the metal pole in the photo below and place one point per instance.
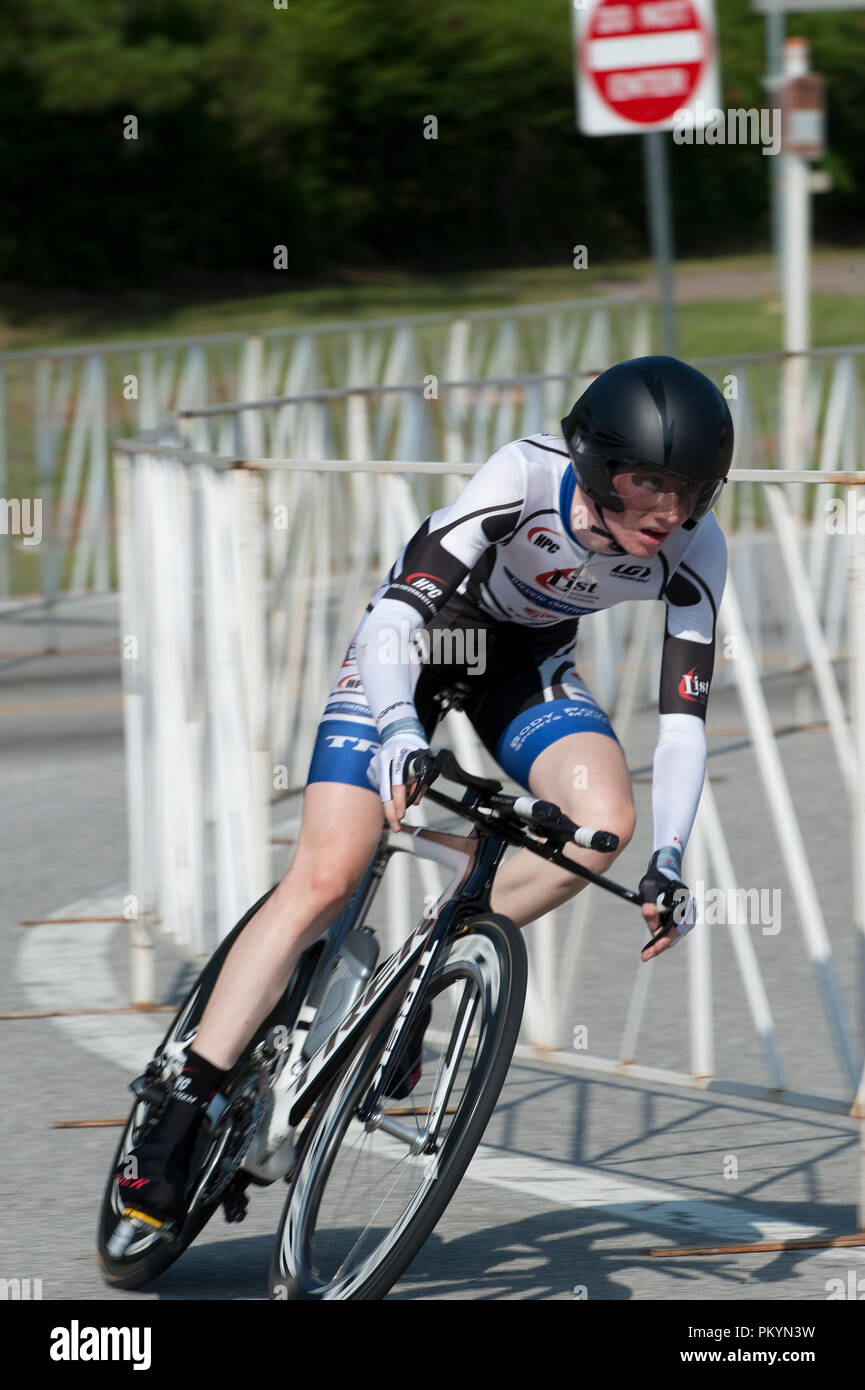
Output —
(796, 206)
(661, 229)
(700, 959)
(774, 71)
(856, 642)
(796, 203)
(142, 971)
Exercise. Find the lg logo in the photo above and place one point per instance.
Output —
(639, 573)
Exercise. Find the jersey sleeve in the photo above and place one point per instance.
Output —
(427, 572)
(693, 597)
(436, 560)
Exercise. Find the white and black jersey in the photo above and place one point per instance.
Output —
(505, 550)
(503, 559)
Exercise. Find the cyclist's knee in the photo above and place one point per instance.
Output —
(617, 816)
(339, 831)
(319, 881)
(625, 821)
(329, 884)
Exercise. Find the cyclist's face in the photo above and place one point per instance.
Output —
(655, 504)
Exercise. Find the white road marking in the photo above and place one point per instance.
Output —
(67, 967)
(565, 1185)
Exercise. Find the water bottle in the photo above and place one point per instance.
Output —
(350, 975)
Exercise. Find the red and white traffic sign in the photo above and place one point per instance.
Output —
(640, 62)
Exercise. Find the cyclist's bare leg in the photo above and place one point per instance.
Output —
(339, 831)
(586, 775)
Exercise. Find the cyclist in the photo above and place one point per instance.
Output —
(551, 529)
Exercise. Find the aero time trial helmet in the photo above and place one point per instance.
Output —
(656, 412)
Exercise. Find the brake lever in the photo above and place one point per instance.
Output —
(665, 930)
(450, 768)
(421, 768)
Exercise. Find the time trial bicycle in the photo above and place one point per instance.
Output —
(310, 1100)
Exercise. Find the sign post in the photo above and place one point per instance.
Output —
(657, 179)
(638, 63)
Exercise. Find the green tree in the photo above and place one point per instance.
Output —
(304, 125)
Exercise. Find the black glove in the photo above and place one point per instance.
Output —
(662, 886)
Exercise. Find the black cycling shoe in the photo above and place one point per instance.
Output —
(152, 1177)
(405, 1070)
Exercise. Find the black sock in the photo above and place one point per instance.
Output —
(198, 1081)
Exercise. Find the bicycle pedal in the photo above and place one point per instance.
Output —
(146, 1088)
(268, 1048)
(234, 1206)
(133, 1214)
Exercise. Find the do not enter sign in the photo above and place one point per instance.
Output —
(639, 62)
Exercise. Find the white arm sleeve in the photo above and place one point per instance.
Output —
(679, 769)
(383, 661)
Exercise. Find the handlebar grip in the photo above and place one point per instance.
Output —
(602, 840)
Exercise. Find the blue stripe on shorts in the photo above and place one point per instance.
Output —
(541, 725)
(343, 751)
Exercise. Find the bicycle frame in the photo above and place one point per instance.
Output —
(474, 859)
(299, 1085)
(265, 1149)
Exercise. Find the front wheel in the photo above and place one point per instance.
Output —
(367, 1193)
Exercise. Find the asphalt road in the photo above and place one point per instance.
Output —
(580, 1174)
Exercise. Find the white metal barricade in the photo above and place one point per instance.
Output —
(236, 651)
(61, 409)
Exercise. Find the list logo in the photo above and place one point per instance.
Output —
(566, 581)
(692, 688)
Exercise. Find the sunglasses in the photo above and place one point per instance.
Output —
(643, 487)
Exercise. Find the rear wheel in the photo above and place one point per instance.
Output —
(368, 1191)
(131, 1254)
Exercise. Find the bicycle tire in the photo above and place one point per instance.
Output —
(489, 951)
(155, 1252)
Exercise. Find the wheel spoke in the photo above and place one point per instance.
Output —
(373, 1171)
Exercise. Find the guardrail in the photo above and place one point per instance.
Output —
(62, 409)
(237, 635)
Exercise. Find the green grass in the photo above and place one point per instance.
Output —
(31, 319)
(713, 328)
(706, 328)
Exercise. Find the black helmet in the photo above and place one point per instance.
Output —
(652, 411)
